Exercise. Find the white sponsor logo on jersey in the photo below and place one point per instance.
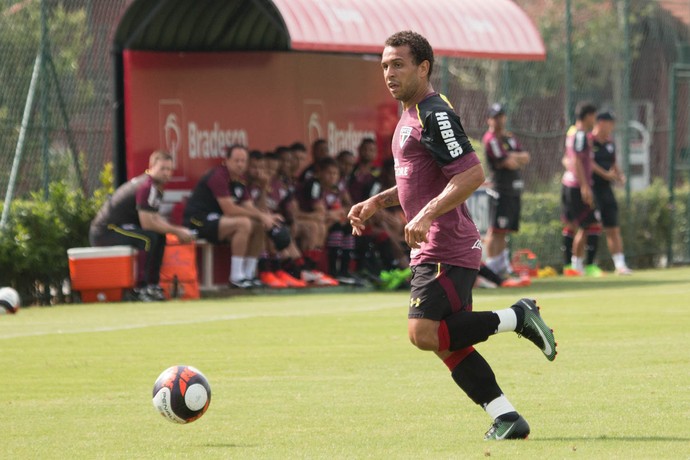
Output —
(448, 135)
(580, 140)
(400, 170)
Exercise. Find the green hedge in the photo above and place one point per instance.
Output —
(33, 246)
(645, 227)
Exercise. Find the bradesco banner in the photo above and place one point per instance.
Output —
(194, 104)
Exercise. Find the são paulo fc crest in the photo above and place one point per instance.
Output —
(405, 132)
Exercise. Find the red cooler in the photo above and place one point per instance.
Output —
(100, 274)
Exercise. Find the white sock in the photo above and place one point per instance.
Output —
(250, 264)
(236, 268)
(506, 261)
(494, 264)
(578, 263)
(498, 407)
(507, 320)
(619, 260)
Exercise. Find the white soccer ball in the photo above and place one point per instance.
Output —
(9, 300)
(181, 394)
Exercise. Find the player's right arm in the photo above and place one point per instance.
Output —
(502, 159)
(609, 175)
(360, 212)
(156, 223)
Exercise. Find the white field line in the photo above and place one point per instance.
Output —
(208, 319)
(482, 300)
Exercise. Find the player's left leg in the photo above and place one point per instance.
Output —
(495, 239)
(468, 368)
(578, 259)
(255, 247)
(615, 244)
(609, 217)
(593, 232)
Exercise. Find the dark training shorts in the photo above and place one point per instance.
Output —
(574, 209)
(205, 226)
(607, 206)
(504, 213)
(439, 290)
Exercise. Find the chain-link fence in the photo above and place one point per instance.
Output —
(56, 95)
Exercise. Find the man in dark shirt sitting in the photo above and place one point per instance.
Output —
(220, 209)
(130, 217)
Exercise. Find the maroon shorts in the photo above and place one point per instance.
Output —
(439, 290)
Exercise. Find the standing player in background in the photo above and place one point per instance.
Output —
(606, 173)
(130, 217)
(436, 171)
(506, 159)
(577, 200)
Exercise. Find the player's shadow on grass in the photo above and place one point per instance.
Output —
(614, 438)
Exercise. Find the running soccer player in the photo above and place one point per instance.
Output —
(436, 171)
(506, 159)
(606, 173)
(577, 201)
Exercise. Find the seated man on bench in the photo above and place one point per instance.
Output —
(221, 210)
(130, 217)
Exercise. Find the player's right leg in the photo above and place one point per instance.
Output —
(449, 292)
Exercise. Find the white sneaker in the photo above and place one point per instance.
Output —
(318, 278)
(624, 271)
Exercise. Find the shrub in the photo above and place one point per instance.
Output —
(645, 227)
(33, 246)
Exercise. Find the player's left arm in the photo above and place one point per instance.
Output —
(521, 155)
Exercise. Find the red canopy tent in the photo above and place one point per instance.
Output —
(496, 29)
(170, 37)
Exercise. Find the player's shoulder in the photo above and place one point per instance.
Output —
(488, 137)
(142, 182)
(435, 102)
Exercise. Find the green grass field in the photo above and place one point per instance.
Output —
(334, 376)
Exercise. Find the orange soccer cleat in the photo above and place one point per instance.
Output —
(271, 280)
(289, 280)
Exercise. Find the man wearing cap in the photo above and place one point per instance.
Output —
(220, 209)
(605, 174)
(506, 159)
